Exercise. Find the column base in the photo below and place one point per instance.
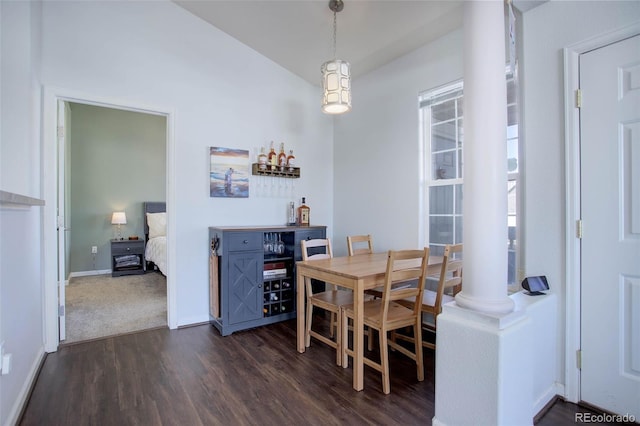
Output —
(482, 368)
(500, 306)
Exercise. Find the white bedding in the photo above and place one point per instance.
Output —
(156, 252)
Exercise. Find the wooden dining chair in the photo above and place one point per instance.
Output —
(359, 244)
(362, 244)
(449, 284)
(330, 300)
(386, 314)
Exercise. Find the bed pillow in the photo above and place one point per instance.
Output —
(157, 224)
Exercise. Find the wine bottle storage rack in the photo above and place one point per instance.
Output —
(286, 172)
(278, 297)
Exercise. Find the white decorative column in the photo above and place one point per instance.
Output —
(485, 160)
(483, 345)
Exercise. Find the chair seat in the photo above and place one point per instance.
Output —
(377, 292)
(396, 317)
(428, 301)
(332, 300)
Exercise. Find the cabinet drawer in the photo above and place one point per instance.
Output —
(127, 248)
(238, 241)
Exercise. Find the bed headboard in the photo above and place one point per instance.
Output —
(152, 207)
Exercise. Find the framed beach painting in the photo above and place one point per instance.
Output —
(229, 172)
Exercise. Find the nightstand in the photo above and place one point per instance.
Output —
(127, 257)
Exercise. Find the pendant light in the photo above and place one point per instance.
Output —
(336, 75)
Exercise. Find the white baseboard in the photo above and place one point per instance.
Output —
(23, 396)
(193, 321)
(89, 273)
(548, 395)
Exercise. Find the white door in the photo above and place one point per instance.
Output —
(61, 220)
(610, 195)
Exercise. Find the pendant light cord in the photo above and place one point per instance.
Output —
(335, 26)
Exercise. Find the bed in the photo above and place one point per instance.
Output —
(155, 236)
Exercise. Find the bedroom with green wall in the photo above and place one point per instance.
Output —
(117, 161)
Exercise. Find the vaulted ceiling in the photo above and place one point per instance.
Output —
(298, 34)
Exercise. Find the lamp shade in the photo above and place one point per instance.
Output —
(118, 218)
(336, 87)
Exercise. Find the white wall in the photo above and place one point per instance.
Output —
(222, 93)
(377, 152)
(547, 30)
(377, 147)
(21, 296)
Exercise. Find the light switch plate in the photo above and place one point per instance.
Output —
(6, 364)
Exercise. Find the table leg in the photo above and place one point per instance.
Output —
(358, 336)
(300, 310)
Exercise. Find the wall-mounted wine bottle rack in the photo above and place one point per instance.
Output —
(286, 172)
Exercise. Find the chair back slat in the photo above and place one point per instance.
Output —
(450, 273)
(403, 266)
(359, 244)
(313, 246)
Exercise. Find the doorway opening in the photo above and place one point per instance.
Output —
(114, 162)
(111, 185)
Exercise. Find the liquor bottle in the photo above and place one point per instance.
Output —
(291, 160)
(262, 160)
(273, 157)
(282, 158)
(303, 213)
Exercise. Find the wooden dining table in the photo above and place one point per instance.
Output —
(357, 273)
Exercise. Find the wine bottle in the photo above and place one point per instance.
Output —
(262, 160)
(282, 158)
(273, 157)
(291, 160)
(304, 212)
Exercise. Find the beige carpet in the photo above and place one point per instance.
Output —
(102, 305)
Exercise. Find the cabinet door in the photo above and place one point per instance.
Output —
(245, 286)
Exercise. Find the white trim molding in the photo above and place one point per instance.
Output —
(573, 200)
(51, 95)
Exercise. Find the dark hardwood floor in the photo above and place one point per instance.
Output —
(193, 376)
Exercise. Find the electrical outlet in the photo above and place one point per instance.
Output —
(94, 249)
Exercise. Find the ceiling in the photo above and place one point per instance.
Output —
(298, 34)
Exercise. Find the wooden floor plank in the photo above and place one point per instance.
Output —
(193, 376)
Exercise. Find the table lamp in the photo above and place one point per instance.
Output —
(119, 218)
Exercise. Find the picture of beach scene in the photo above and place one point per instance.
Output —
(229, 172)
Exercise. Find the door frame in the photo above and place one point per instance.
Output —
(51, 96)
(61, 219)
(573, 252)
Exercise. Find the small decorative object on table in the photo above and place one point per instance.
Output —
(292, 214)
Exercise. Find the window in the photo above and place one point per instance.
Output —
(442, 115)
